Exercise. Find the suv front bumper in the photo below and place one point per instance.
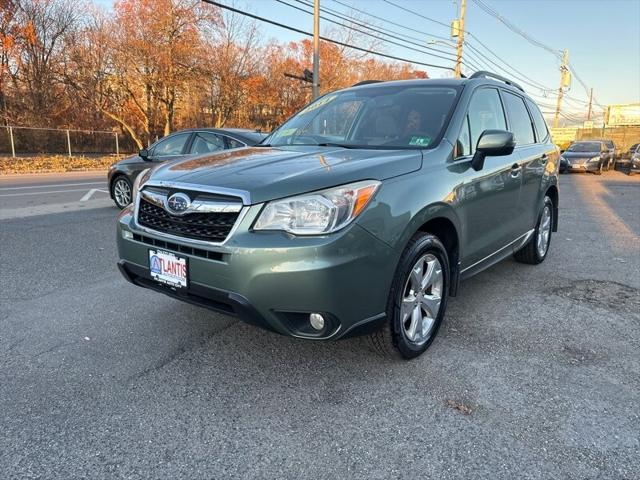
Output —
(273, 279)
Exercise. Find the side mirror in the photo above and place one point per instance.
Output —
(492, 143)
(144, 154)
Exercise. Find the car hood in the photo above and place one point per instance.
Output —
(130, 159)
(267, 173)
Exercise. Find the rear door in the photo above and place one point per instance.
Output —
(207, 142)
(490, 197)
(534, 153)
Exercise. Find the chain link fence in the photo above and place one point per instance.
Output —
(18, 141)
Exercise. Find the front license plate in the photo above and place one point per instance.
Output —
(167, 268)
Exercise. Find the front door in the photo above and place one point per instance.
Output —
(491, 196)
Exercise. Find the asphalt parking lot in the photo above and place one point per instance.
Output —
(535, 373)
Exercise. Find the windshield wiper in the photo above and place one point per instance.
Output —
(341, 145)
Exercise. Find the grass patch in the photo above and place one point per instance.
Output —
(54, 163)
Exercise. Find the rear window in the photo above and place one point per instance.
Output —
(519, 120)
(538, 120)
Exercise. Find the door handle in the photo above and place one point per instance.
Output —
(515, 170)
(544, 158)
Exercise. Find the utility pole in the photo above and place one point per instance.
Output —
(590, 102)
(316, 50)
(565, 81)
(457, 30)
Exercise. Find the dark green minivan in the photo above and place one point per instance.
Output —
(359, 215)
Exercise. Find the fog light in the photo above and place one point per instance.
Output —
(127, 235)
(317, 321)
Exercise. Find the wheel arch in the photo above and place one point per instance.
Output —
(553, 193)
(441, 221)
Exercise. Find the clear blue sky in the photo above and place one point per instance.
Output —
(602, 36)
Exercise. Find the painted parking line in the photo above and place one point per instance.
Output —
(90, 193)
(42, 193)
(53, 186)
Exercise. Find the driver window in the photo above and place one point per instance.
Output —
(485, 113)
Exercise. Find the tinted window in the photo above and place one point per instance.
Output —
(206, 142)
(538, 121)
(374, 116)
(485, 113)
(519, 119)
(233, 143)
(172, 145)
(463, 146)
(584, 147)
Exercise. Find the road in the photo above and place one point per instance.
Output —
(20, 191)
(535, 374)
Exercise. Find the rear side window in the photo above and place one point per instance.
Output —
(485, 113)
(538, 120)
(519, 119)
(233, 143)
(206, 142)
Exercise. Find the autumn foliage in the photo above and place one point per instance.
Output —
(149, 67)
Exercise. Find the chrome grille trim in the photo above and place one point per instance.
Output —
(159, 200)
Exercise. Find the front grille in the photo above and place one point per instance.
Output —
(210, 227)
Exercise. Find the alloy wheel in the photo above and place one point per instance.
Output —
(421, 299)
(122, 192)
(544, 232)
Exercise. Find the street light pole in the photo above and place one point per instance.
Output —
(316, 49)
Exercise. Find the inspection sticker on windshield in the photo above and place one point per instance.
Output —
(420, 140)
(167, 268)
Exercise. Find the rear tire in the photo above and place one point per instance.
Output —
(535, 250)
(414, 315)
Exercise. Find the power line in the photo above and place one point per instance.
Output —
(522, 77)
(371, 35)
(389, 21)
(416, 13)
(326, 39)
(491, 11)
(386, 31)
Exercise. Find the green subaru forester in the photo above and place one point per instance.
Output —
(359, 215)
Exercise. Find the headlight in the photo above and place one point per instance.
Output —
(142, 177)
(320, 212)
(594, 159)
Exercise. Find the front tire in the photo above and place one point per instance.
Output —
(536, 249)
(121, 191)
(417, 300)
(599, 171)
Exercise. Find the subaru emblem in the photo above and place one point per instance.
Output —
(178, 203)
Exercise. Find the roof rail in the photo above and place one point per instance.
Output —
(366, 82)
(485, 74)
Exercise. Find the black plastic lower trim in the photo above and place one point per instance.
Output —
(220, 301)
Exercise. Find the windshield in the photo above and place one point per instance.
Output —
(375, 117)
(584, 147)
